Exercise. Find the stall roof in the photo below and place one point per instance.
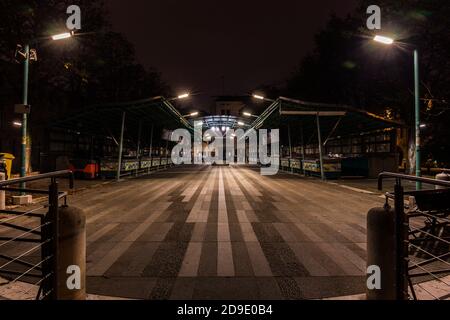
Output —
(224, 121)
(107, 118)
(336, 120)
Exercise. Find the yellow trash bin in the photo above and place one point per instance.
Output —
(8, 159)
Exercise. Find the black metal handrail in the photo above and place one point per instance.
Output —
(400, 177)
(50, 175)
(45, 234)
(410, 239)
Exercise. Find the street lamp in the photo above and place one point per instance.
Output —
(180, 97)
(248, 114)
(260, 97)
(26, 68)
(384, 40)
(192, 114)
(62, 36)
(390, 41)
(183, 96)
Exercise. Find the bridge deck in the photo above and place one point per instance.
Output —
(225, 233)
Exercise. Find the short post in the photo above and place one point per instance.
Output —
(319, 137)
(381, 256)
(119, 160)
(290, 145)
(2, 193)
(138, 151)
(402, 244)
(150, 153)
(71, 260)
(443, 177)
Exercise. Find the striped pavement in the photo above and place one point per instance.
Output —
(205, 232)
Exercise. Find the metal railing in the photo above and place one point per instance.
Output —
(28, 239)
(422, 230)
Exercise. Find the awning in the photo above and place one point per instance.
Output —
(338, 120)
(107, 118)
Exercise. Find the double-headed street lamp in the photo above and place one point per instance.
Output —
(26, 67)
(390, 41)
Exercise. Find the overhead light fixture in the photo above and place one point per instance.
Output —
(423, 125)
(384, 40)
(183, 96)
(241, 123)
(62, 36)
(193, 114)
(17, 123)
(258, 97)
(247, 114)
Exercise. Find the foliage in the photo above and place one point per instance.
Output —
(346, 67)
(97, 66)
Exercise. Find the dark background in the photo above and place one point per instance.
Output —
(247, 42)
(136, 49)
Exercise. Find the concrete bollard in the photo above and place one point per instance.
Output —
(444, 177)
(71, 259)
(381, 243)
(2, 193)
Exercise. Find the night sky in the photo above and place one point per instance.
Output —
(196, 42)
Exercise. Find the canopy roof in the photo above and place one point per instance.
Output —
(107, 118)
(336, 120)
(219, 121)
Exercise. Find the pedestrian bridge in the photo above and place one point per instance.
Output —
(205, 232)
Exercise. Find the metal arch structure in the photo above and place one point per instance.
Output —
(219, 121)
(292, 109)
(321, 120)
(114, 120)
(157, 110)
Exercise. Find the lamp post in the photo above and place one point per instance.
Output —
(390, 41)
(26, 69)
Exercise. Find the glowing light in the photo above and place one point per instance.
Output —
(62, 36)
(384, 40)
(183, 96)
(258, 97)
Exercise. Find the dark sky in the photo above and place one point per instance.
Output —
(196, 42)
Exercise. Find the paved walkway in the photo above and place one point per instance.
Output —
(225, 233)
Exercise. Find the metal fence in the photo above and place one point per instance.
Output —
(28, 239)
(422, 230)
